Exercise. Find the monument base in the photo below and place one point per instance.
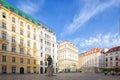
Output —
(50, 71)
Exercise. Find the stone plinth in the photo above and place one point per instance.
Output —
(50, 71)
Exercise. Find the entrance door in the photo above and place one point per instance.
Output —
(21, 70)
(45, 70)
(41, 70)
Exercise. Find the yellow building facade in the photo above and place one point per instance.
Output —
(18, 41)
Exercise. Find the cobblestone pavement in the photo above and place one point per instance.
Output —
(61, 76)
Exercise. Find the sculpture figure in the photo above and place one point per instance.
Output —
(49, 59)
(50, 66)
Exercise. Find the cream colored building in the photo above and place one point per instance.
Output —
(93, 60)
(24, 42)
(80, 62)
(67, 57)
(47, 46)
(112, 58)
(18, 41)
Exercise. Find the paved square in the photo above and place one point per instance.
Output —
(60, 76)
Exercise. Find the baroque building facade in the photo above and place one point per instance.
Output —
(112, 58)
(93, 60)
(67, 57)
(20, 42)
(48, 46)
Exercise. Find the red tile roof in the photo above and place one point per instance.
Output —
(113, 49)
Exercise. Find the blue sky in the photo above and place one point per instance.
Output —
(86, 23)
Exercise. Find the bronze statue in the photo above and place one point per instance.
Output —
(50, 66)
(50, 62)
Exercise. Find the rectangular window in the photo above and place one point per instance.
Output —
(3, 25)
(21, 41)
(34, 45)
(111, 53)
(3, 58)
(41, 62)
(21, 23)
(21, 32)
(13, 19)
(34, 30)
(28, 61)
(45, 63)
(106, 54)
(13, 39)
(4, 36)
(21, 51)
(34, 53)
(41, 40)
(116, 58)
(34, 37)
(13, 49)
(13, 59)
(116, 63)
(28, 35)
(13, 69)
(13, 29)
(3, 47)
(111, 59)
(4, 15)
(4, 69)
(28, 52)
(28, 44)
(53, 45)
(106, 59)
(41, 47)
(41, 54)
(21, 60)
(34, 61)
(28, 27)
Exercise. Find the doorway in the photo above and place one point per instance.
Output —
(46, 70)
(41, 70)
(21, 70)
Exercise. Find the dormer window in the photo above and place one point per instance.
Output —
(4, 15)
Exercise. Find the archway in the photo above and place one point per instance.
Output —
(21, 70)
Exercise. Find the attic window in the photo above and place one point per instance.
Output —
(4, 15)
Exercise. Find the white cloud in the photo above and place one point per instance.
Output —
(31, 7)
(89, 10)
(102, 41)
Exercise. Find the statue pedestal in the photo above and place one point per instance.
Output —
(50, 71)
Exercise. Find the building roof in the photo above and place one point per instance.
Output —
(91, 51)
(18, 11)
(113, 49)
(24, 15)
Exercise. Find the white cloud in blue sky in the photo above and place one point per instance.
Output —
(89, 10)
(31, 7)
(100, 40)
